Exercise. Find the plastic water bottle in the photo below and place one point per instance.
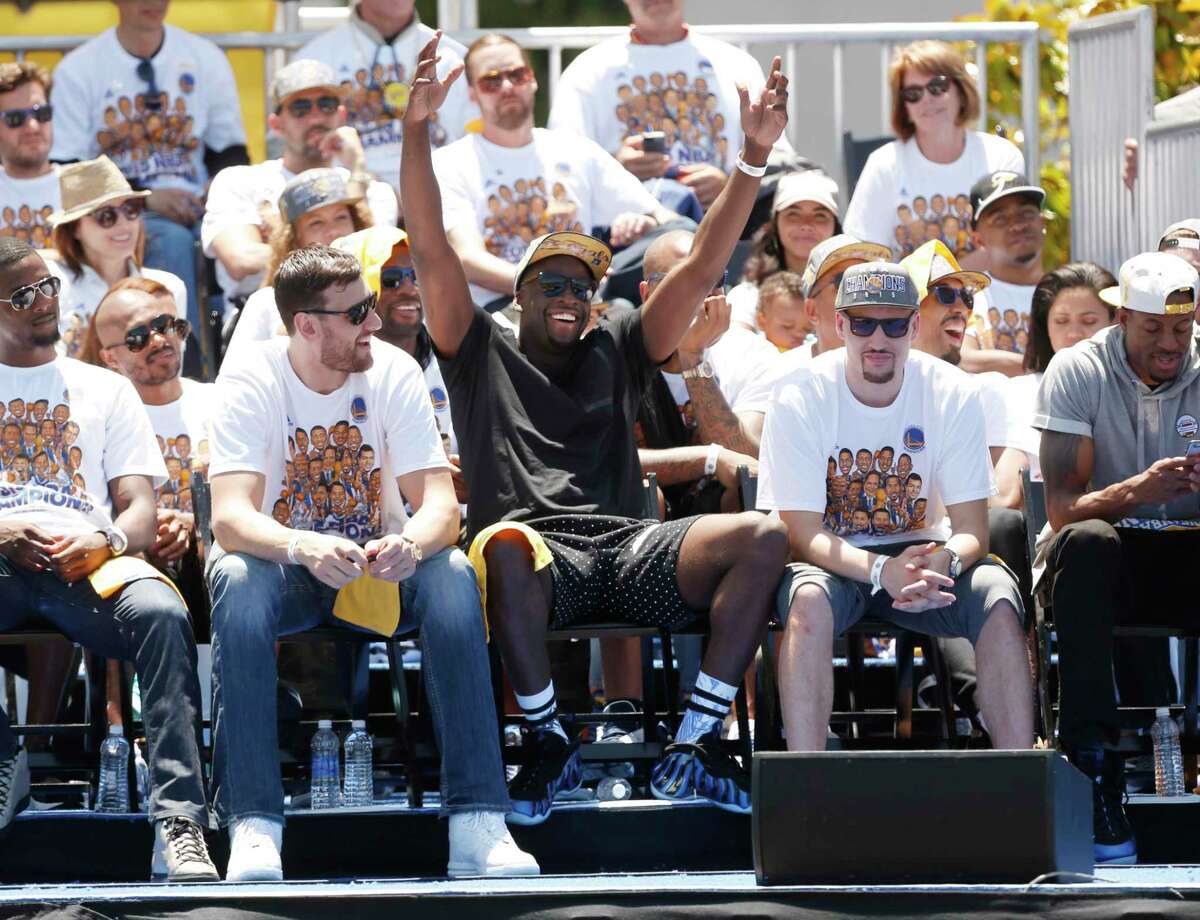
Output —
(1168, 761)
(113, 795)
(614, 789)
(326, 779)
(359, 787)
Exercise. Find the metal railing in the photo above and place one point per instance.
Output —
(784, 39)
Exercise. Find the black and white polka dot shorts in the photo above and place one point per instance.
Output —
(615, 570)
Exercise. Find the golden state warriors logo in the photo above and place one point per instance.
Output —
(358, 409)
(914, 438)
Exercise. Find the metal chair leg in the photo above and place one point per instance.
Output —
(403, 715)
(905, 646)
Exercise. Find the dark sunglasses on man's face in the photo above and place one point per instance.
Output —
(130, 210)
(937, 87)
(138, 337)
(23, 297)
(15, 118)
(554, 284)
(493, 80)
(298, 108)
(946, 295)
(145, 73)
(357, 314)
(395, 277)
(865, 326)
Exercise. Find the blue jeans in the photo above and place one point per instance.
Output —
(145, 622)
(171, 247)
(255, 601)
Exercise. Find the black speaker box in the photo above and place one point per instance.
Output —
(874, 817)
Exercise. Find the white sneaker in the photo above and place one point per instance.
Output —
(14, 787)
(254, 845)
(180, 853)
(480, 844)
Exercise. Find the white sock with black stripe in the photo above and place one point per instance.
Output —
(707, 705)
(541, 710)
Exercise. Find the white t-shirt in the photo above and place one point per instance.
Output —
(100, 107)
(26, 206)
(1021, 393)
(1001, 316)
(743, 304)
(686, 89)
(513, 194)
(901, 195)
(756, 395)
(69, 429)
(894, 469)
(366, 66)
(739, 358)
(182, 429)
(79, 297)
(238, 196)
(995, 401)
(331, 461)
(260, 321)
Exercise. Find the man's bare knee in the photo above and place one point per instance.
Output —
(508, 555)
(810, 612)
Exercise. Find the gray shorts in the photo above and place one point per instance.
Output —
(976, 592)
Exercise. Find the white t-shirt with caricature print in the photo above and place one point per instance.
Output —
(100, 106)
(875, 475)
(513, 194)
(183, 431)
(26, 206)
(68, 430)
(330, 461)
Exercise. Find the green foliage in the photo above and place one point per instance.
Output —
(1177, 67)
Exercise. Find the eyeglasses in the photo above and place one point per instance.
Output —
(938, 86)
(719, 288)
(946, 295)
(14, 118)
(395, 277)
(493, 80)
(865, 326)
(553, 284)
(298, 108)
(357, 314)
(834, 282)
(23, 297)
(145, 73)
(107, 217)
(138, 337)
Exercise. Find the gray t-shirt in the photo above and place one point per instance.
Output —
(1090, 390)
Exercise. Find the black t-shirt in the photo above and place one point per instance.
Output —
(532, 446)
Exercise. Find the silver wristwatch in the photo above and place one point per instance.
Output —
(117, 541)
(955, 562)
(703, 370)
(416, 548)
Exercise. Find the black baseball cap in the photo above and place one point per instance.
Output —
(994, 186)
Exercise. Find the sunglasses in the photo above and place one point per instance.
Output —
(946, 295)
(835, 281)
(491, 81)
(717, 289)
(14, 118)
(553, 285)
(357, 314)
(938, 86)
(23, 297)
(395, 277)
(107, 217)
(298, 108)
(138, 337)
(145, 73)
(865, 326)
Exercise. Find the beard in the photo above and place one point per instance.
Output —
(44, 339)
(154, 375)
(881, 376)
(953, 354)
(345, 358)
(512, 117)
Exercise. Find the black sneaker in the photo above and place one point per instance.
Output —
(14, 787)
(552, 767)
(1113, 836)
(701, 769)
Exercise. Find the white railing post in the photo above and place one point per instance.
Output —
(981, 80)
(1030, 108)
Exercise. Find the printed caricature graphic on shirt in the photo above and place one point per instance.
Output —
(39, 457)
(1004, 329)
(939, 217)
(686, 112)
(375, 102)
(520, 212)
(876, 492)
(27, 223)
(181, 458)
(333, 483)
(150, 136)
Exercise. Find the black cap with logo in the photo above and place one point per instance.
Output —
(994, 186)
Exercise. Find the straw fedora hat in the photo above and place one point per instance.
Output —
(89, 186)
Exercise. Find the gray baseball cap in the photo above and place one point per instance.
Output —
(299, 76)
(312, 189)
(877, 284)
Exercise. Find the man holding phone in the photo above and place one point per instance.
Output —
(1118, 414)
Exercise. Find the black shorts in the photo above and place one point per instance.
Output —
(615, 570)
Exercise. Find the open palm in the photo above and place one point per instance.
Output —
(764, 118)
(426, 92)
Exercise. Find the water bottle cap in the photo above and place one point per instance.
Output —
(325, 723)
(619, 791)
(1162, 712)
(358, 723)
(116, 731)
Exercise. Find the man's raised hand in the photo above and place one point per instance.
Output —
(427, 93)
(764, 118)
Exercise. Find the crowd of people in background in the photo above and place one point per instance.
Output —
(434, 375)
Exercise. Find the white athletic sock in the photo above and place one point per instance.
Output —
(707, 706)
(541, 710)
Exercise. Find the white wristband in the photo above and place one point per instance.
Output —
(291, 550)
(710, 461)
(877, 573)
(756, 171)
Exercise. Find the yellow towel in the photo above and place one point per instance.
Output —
(541, 557)
(371, 603)
(115, 574)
